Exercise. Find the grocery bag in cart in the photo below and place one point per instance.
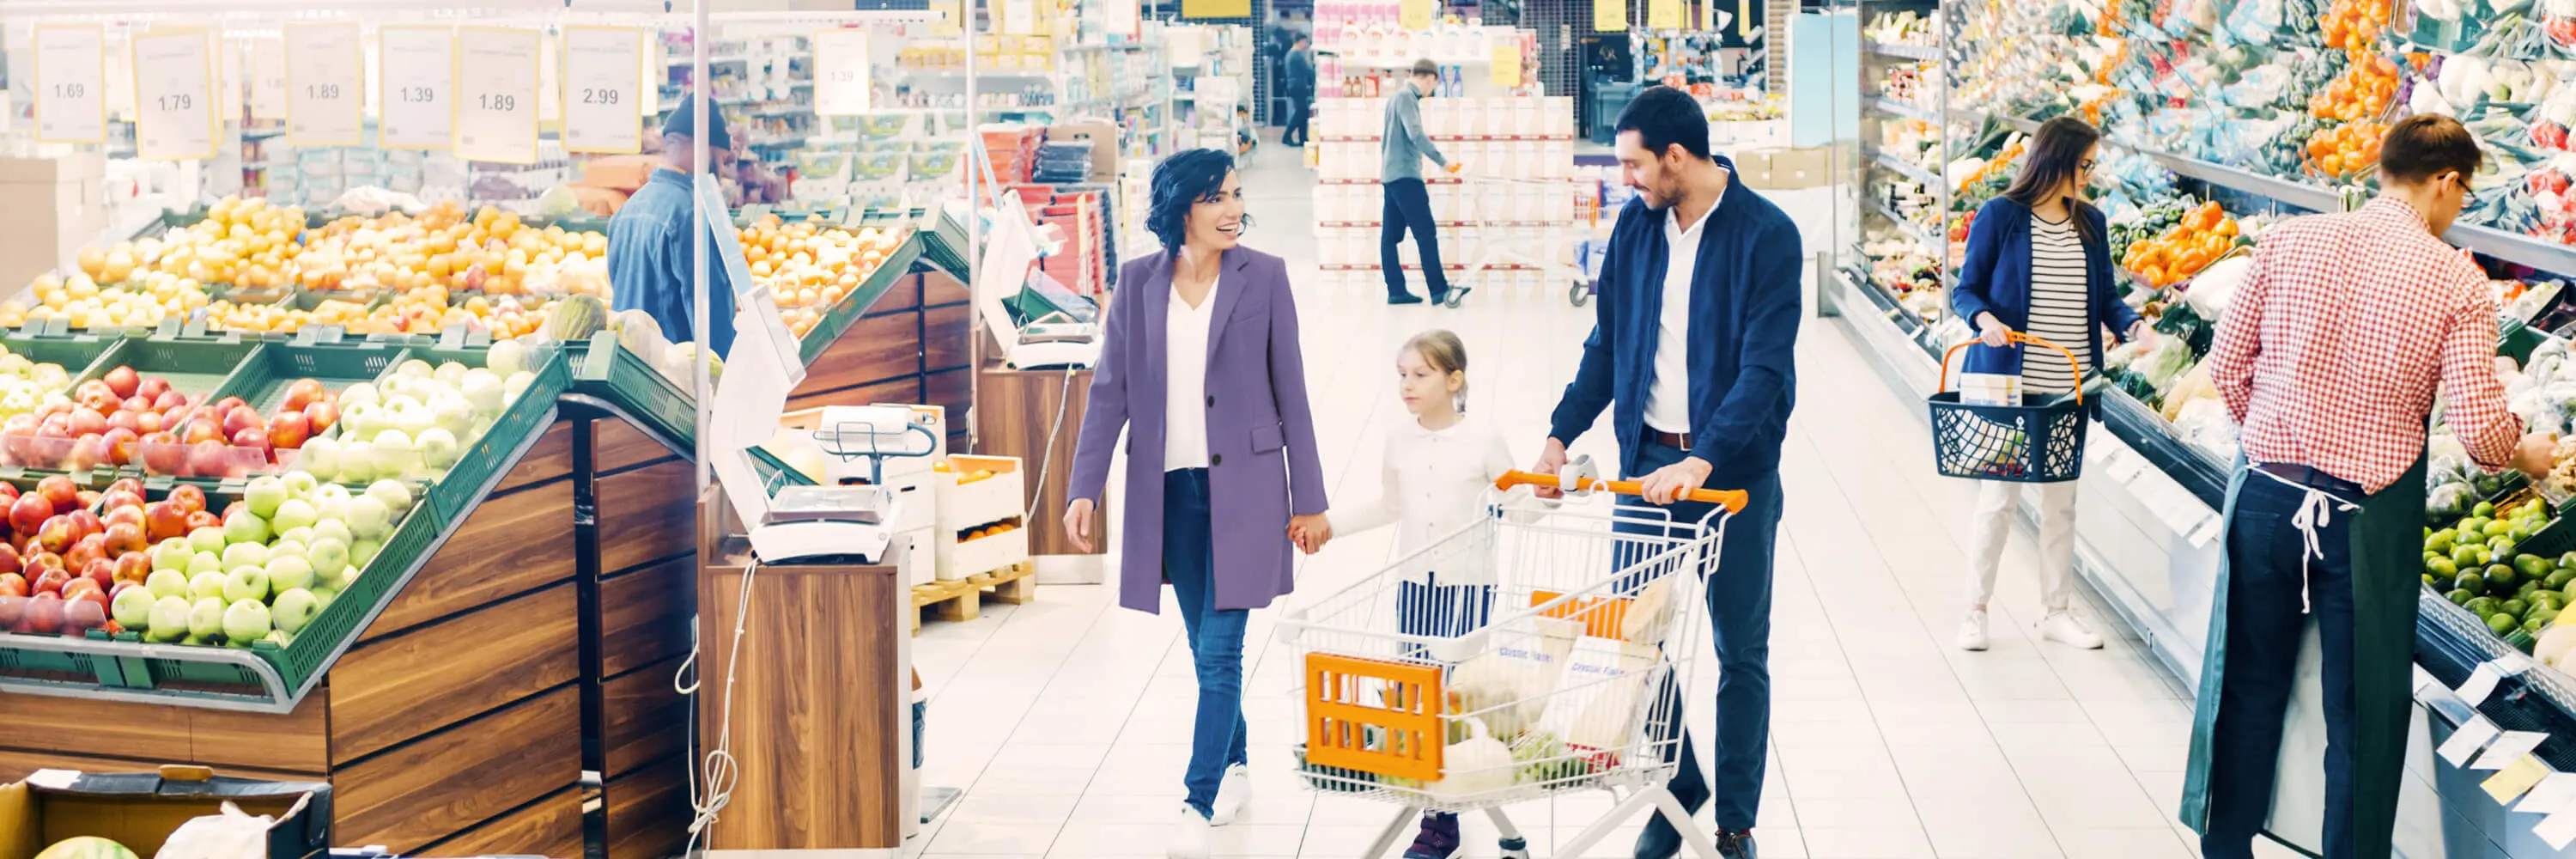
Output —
(1545, 683)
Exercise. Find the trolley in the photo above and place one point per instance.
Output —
(2041, 443)
(1494, 253)
(1559, 677)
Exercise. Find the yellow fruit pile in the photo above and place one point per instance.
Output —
(810, 267)
(428, 311)
(141, 301)
(492, 252)
(246, 243)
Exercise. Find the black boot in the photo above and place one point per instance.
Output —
(1438, 839)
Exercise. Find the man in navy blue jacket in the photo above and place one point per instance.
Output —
(1693, 354)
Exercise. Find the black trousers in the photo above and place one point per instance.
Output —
(1301, 107)
(2264, 560)
(1408, 207)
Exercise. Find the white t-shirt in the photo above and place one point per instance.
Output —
(1668, 393)
(1185, 443)
(1432, 483)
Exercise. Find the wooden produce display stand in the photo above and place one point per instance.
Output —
(1017, 410)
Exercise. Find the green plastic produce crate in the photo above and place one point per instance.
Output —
(2515, 340)
(196, 367)
(837, 320)
(263, 378)
(75, 353)
(365, 299)
(608, 371)
(488, 457)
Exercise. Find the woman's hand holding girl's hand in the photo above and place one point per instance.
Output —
(1992, 332)
(1077, 523)
(1310, 533)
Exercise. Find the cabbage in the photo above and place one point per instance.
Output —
(558, 202)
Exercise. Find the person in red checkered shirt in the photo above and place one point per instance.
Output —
(2330, 356)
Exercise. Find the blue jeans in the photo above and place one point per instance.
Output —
(1739, 614)
(1216, 635)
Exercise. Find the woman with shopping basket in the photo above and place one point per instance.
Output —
(2038, 271)
(1200, 365)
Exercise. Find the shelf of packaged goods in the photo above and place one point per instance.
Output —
(1890, 308)
(1907, 52)
(1903, 167)
(1931, 240)
(1898, 108)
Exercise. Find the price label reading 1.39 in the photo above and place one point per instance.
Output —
(174, 95)
(602, 79)
(416, 74)
(71, 91)
(840, 72)
(325, 65)
(496, 94)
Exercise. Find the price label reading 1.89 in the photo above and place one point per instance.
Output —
(174, 95)
(602, 79)
(324, 67)
(416, 72)
(71, 96)
(496, 94)
(841, 72)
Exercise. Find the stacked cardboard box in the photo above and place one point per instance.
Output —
(1082, 217)
(1013, 150)
(56, 205)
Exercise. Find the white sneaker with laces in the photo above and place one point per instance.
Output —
(2064, 626)
(1232, 795)
(1189, 835)
(1972, 631)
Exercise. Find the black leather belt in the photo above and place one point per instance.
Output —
(2314, 479)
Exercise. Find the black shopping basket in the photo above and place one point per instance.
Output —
(2041, 443)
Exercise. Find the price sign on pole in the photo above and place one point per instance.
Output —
(496, 94)
(417, 83)
(840, 72)
(600, 86)
(324, 69)
(1663, 14)
(71, 84)
(1609, 16)
(267, 79)
(174, 95)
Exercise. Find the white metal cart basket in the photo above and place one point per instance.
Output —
(1556, 678)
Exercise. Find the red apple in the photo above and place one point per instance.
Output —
(152, 387)
(55, 426)
(320, 415)
(86, 524)
(9, 559)
(92, 388)
(8, 493)
(226, 405)
(163, 520)
(127, 484)
(123, 537)
(29, 512)
(133, 567)
(119, 497)
(122, 446)
(98, 571)
(242, 418)
(14, 585)
(124, 516)
(40, 561)
(101, 401)
(19, 425)
(60, 491)
(168, 401)
(52, 580)
(288, 430)
(83, 613)
(303, 392)
(83, 582)
(189, 498)
(136, 403)
(56, 535)
(163, 453)
(201, 431)
(124, 381)
(44, 614)
(202, 519)
(209, 458)
(85, 550)
(128, 421)
(148, 422)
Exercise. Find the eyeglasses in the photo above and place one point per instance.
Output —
(2086, 165)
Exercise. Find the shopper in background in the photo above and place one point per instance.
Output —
(2330, 357)
(1297, 83)
(1693, 353)
(1200, 365)
(1408, 201)
(2039, 261)
(650, 247)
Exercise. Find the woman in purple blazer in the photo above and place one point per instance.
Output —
(1200, 365)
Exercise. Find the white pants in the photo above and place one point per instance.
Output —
(1993, 521)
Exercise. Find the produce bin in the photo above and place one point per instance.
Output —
(483, 461)
(262, 379)
(836, 321)
(607, 370)
(2515, 340)
(75, 353)
(194, 366)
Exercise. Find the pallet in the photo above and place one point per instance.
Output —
(962, 599)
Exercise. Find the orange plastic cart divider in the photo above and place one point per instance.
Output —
(1601, 616)
(1340, 715)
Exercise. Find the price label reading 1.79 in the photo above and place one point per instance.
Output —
(496, 94)
(71, 98)
(174, 95)
(324, 65)
(416, 70)
(602, 78)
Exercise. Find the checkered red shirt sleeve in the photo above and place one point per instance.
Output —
(2332, 352)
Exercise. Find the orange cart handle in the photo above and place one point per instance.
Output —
(2019, 337)
(1731, 499)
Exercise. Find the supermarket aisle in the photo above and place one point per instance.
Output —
(1067, 719)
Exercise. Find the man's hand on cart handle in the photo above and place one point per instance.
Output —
(1551, 461)
(1077, 523)
(1310, 533)
(1670, 483)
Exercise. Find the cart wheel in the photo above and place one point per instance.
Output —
(1580, 294)
(1515, 848)
(1457, 295)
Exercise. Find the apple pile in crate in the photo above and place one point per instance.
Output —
(180, 574)
(419, 420)
(107, 421)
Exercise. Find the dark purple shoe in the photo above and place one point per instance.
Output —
(1439, 838)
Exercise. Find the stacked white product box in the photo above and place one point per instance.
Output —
(982, 516)
(1518, 189)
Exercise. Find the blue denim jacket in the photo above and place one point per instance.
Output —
(649, 263)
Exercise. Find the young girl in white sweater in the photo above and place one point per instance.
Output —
(1436, 470)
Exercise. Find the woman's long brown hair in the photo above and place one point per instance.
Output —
(2056, 156)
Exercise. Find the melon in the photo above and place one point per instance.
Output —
(86, 847)
(575, 318)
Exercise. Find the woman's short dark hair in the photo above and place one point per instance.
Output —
(1186, 179)
(2420, 147)
(1663, 117)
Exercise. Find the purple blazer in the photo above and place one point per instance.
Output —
(1261, 434)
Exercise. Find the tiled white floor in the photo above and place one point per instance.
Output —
(1067, 720)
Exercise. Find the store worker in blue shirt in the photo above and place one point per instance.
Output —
(1693, 354)
(649, 262)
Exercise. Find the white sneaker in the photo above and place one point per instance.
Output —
(1189, 835)
(1972, 631)
(2064, 626)
(1232, 795)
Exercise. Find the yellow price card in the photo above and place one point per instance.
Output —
(1609, 16)
(1663, 14)
(1507, 65)
(1417, 14)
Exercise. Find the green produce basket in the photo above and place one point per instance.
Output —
(263, 378)
(606, 370)
(837, 320)
(2515, 340)
(196, 367)
(412, 543)
(489, 457)
(74, 352)
(365, 299)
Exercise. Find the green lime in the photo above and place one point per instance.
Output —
(2527, 588)
(2501, 623)
(2443, 568)
(2483, 510)
(2458, 596)
(2472, 582)
(2481, 606)
(2516, 607)
(2501, 578)
(2557, 581)
(2465, 556)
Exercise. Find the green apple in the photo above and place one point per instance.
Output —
(369, 518)
(288, 573)
(205, 584)
(300, 483)
(246, 583)
(133, 608)
(323, 596)
(294, 513)
(264, 494)
(363, 551)
(245, 622)
(207, 539)
(172, 554)
(300, 535)
(329, 554)
(169, 619)
(286, 547)
(167, 583)
(395, 496)
(205, 562)
(206, 618)
(334, 529)
(246, 527)
(240, 555)
(294, 609)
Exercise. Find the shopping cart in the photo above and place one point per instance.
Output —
(2041, 443)
(1528, 207)
(1564, 687)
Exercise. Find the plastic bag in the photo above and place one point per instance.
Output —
(230, 835)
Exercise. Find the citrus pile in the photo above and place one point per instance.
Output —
(2205, 234)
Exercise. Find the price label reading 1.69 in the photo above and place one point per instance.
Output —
(174, 95)
(416, 70)
(324, 65)
(602, 79)
(71, 97)
(496, 91)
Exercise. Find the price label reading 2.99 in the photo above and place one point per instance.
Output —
(496, 94)
(174, 95)
(602, 79)
(325, 65)
(416, 72)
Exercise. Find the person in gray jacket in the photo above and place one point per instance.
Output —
(1408, 203)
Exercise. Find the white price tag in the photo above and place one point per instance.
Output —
(841, 72)
(496, 94)
(2466, 741)
(601, 86)
(325, 68)
(2552, 794)
(2507, 748)
(267, 79)
(2559, 828)
(1019, 17)
(2481, 683)
(229, 87)
(418, 79)
(71, 84)
(174, 95)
